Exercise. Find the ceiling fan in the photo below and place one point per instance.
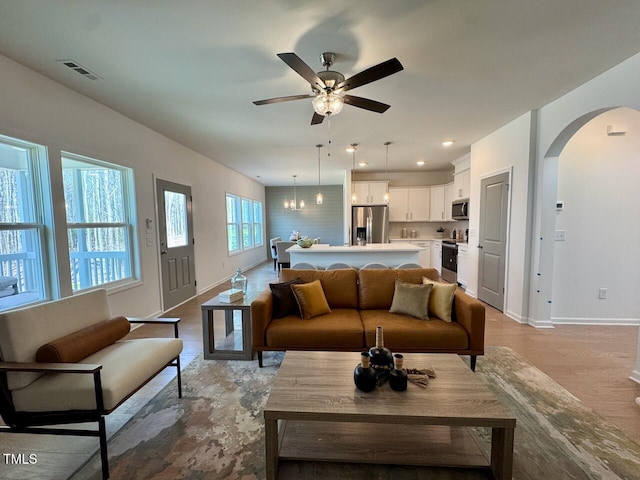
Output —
(328, 86)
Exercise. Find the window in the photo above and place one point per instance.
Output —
(22, 228)
(244, 223)
(257, 223)
(99, 226)
(233, 223)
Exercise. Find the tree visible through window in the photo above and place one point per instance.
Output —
(21, 229)
(98, 225)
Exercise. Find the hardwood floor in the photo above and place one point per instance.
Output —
(591, 362)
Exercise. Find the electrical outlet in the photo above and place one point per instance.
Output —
(561, 235)
(602, 293)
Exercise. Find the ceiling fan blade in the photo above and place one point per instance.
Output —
(366, 103)
(317, 119)
(269, 101)
(302, 69)
(371, 74)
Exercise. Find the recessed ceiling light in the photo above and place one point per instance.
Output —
(350, 149)
(420, 163)
(362, 164)
(447, 143)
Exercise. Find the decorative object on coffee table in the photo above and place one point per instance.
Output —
(381, 358)
(398, 376)
(364, 375)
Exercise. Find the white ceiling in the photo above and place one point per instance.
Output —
(190, 70)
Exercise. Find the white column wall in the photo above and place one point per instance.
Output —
(39, 110)
(508, 148)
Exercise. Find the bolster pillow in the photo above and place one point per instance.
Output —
(78, 345)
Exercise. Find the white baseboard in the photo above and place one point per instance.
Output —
(635, 376)
(471, 293)
(540, 323)
(595, 321)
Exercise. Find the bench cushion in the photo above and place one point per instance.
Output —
(126, 365)
(24, 330)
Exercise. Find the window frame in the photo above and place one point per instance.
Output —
(39, 222)
(242, 222)
(132, 267)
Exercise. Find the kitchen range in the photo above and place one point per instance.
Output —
(449, 261)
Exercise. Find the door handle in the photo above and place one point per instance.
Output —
(480, 246)
(164, 252)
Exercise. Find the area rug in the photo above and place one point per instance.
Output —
(216, 431)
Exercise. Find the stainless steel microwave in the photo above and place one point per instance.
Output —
(460, 210)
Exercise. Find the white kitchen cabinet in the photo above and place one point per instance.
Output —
(424, 256)
(437, 211)
(409, 204)
(448, 198)
(398, 204)
(463, 264)
(461, 184)
(436, 255)
(369, 193)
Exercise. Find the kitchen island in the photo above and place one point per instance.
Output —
(391, 254)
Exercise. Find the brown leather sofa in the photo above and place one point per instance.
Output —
(359, 302)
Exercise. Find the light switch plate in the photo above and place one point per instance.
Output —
(561, 235)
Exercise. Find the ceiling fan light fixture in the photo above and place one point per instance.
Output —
(327, 104)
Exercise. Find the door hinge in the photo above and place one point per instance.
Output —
(193, 241)
(195, 283)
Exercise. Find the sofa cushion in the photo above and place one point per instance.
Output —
(24, 330)
(78, 345)
(411, 299)
(340, 329)
(405, 333)
(126, 365)
(441, 298)
(311, 299)
(376, 287)
(284, 302)
(340, 286)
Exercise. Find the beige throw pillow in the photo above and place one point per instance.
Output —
(411, 299)
(311, 299)
(441, 300)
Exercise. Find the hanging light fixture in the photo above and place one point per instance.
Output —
(386, 173)
(327, 103)
(353, 147)
(293, 205)
(319, 198)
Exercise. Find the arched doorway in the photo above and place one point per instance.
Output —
(596, 176)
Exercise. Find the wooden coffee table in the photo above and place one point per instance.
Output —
(315, 413)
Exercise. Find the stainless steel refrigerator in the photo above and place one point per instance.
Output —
(370, 224)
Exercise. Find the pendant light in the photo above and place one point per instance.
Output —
(386, 173)
(293, 205)
(319, 198)
(353, 147)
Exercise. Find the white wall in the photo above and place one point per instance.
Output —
(598, 180)
(506, 149)
(39, 110)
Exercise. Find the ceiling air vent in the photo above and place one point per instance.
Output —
(73, 65)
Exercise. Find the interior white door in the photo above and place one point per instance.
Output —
(492, 242)
(175, 230)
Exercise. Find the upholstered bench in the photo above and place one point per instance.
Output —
(69, 361)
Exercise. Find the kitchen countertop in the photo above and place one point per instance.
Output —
(391, 247)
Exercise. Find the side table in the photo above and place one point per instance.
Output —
(230, 347)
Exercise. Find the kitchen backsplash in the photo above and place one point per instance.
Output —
(426, 229)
